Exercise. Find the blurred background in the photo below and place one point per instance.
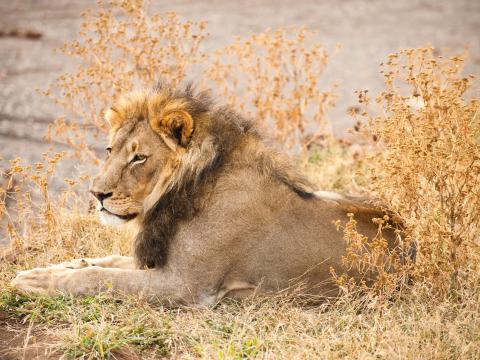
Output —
(366, 30)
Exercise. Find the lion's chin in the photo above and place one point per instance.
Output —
(110, 220)
(107, 218)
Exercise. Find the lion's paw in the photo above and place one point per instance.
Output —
(42, 281)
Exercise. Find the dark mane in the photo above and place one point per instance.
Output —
(217, 134)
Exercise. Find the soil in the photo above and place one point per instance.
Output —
(17, 342)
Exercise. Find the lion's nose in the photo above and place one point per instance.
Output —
(101, 195)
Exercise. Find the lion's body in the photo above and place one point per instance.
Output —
(254, 231)
(260, 238)
(218, 212)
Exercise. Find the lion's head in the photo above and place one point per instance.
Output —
(149, 138)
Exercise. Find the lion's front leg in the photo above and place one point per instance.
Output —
(112, 261)
(94, 280)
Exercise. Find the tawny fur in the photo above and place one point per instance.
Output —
(218, 211)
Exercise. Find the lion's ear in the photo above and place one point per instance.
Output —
(113, 118)
(177, 124)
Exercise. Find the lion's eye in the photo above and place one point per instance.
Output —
(138, 159)
(109, 150)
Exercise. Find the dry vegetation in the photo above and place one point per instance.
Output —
(421, 161)
(119, 48)
(274, 78)
(428, 166)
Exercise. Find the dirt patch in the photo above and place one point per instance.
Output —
(20, 341)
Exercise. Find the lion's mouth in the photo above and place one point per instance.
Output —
(123, 217)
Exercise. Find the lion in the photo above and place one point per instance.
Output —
(218, 212)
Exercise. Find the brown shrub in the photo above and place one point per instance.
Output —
(425, 165)
(119, 48)
(273, 77)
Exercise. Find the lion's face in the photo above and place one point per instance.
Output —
(136, 158)
(149, 134)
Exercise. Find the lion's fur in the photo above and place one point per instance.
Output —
(218, 210)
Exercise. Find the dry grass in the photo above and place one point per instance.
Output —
(274, 77)
(119, 48)
(423, 165)
(411, 326)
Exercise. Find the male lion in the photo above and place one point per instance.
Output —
(218, 211)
